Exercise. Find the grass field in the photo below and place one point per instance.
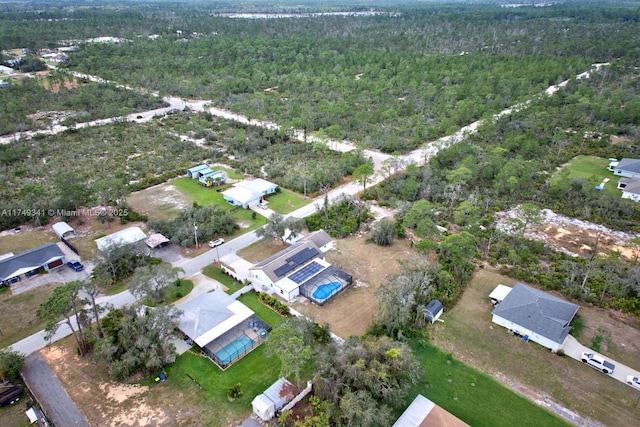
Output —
(593, 169)
(215, 273)
(260, 250)
(254, 372)
(265, 313)
(18, 313)
(287, 201)
(209, 196)
(473, 396)
(468, 333)
(202, 195)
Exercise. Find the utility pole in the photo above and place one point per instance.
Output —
(195, 231)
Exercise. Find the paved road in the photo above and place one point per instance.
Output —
(50, 393)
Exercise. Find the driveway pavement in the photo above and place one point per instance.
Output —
(574, 349)
(50, 394)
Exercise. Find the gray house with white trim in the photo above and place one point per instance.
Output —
(536, 315)
(27, 264)
(628, 168)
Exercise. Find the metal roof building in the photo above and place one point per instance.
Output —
(120, 238)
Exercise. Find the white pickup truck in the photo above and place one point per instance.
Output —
(598, 362)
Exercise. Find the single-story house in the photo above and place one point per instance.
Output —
(249, 193)
(238, 196)
(630, 188)
(301, 269)
(267, 404)
(628, 168)
(6, 70)
(225, 329)
(259, 185)
(28, 264)
(63, 230)
(536, 316)
(217, 176)
(424, 413)
(196, 171)
(120, 238)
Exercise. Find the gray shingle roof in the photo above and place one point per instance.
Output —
(31, 259)
(202, 314)
(537, 311)
(631, 165)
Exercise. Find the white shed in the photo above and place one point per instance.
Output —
(63, 230)
(499, 293)
(267, 404)
(120, 238)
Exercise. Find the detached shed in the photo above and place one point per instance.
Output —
(267, 404)
(196, 171)
(63, 230)
(499, 293)
(433, 310)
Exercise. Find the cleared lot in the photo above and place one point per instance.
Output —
(468, 333)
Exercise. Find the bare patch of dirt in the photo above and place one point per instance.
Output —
(162, 201)
(573, 236)
(108, 403)
(55, 87)
(351, 312)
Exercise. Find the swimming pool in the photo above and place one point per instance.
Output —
(325, 291)
(232, 350)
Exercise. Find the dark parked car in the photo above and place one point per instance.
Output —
(75, 264)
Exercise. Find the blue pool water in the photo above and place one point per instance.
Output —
(235, 348)
(325, 291)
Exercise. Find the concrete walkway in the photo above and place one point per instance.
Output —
(574, 349)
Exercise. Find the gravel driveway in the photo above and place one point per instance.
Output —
(50, 394)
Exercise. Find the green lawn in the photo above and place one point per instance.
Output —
(202, 195)
(473, 396)
(209, 196)
(216, 274)
(254, 372)
(287, 201)
(265, 313)
(176, 290)
(593, 169)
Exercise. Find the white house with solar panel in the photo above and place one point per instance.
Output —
(301, 270)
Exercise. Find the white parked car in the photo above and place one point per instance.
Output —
(598, 362)
(633, 381)
(215, 243)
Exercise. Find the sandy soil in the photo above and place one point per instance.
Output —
(103, 402)
(160, 201)
(573, 236)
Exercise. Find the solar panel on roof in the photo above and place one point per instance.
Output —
(295, 260)
(306, 272)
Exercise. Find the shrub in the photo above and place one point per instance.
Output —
(235, 391)
(274, 303)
